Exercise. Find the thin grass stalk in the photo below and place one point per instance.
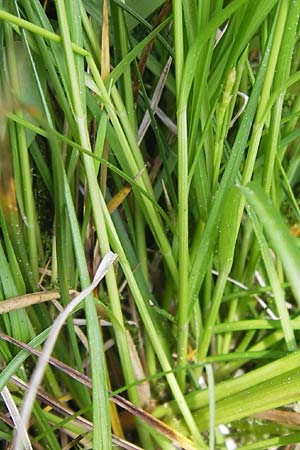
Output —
(36, 29)
(212, 316)
(266, 89)
(183, 247)
(138, 216)
(127, 81)
(25, 171)
(151, 329)
(263, 110)
(132, 151)
(210, 232)
(95, 339)
(287, 43)
(282, 241)
(200, 100)
(227, 241)
(105, 69)
(35, 14)
(211, 390)
(91, 35)
(183, 194)
(275, 283)
(102, 433)
(63, 246)
(239, 262)
(222, 126)
(190, 19)
(96, 197)
(64, 253)
(155, 127)
(144, 289)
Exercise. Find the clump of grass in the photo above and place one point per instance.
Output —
(165, 133)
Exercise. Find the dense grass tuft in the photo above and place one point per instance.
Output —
(167, 133)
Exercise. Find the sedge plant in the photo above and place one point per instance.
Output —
(165, 132)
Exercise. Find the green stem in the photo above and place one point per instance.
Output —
(212, 316)
(183, 193)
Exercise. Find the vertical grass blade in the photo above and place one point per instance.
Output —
(277, 232)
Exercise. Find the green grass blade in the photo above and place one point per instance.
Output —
(209, 235)
(277, 232)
